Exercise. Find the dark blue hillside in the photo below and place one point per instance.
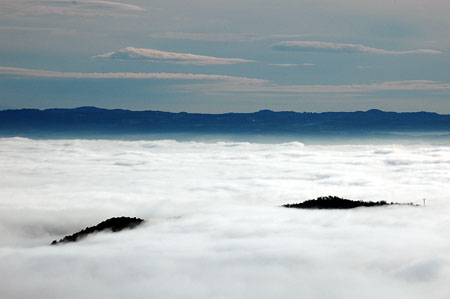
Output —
(117, 121)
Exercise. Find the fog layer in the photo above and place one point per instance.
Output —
(215, 228)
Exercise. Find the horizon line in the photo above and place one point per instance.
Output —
(230, 112)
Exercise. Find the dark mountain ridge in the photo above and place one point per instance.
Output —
(117, 121)
(334, 202)
(115, 224)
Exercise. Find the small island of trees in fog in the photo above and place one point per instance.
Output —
(334, 202)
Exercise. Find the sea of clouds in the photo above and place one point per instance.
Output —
(215, 228)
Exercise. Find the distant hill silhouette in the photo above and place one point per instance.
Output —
(92, 120)
(115, 224)
(334, 202)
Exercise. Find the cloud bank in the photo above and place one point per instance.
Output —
(214, 226)
(131, 53)
(328, 47)
(23, 72)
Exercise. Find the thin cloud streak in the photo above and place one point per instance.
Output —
(221, 37)
(236, 84)
(123, 6)
(271, 88)
(74, 8)
(51, 30)
(291, 64)
(329, 47)
(283, 64)
(23, 72)
(131, 53)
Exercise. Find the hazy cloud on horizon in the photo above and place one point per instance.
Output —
(131, 53)
(315, 46)
(13, 71)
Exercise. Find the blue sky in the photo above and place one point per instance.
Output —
(221, 56)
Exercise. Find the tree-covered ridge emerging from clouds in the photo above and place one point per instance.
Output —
(114, 224)
(334, 202)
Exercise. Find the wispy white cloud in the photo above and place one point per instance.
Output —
(383, 86)
(237, 84)
(329, 47)
(272, 88)
(220, 37)
(24, 72)
(284, 64)
(51, 30)
(110, 4)
(131, 53)
(291, 64)
(78, 7)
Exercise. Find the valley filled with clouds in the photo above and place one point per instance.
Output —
(215, 228)
(212, 200)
